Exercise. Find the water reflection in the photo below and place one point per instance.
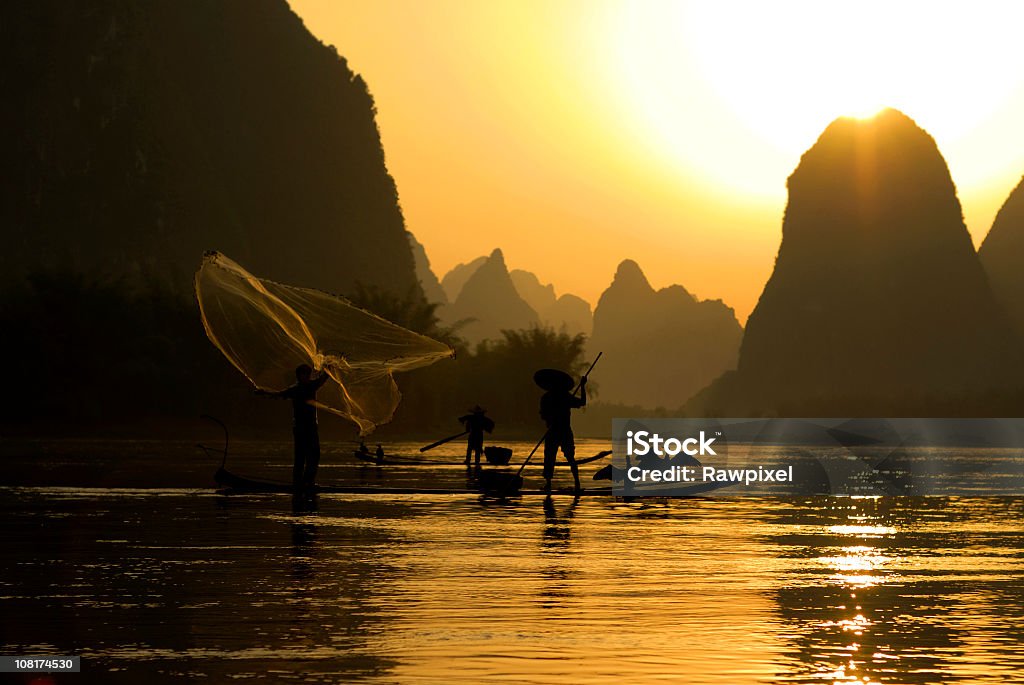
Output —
(557, 525)
(304, 533)
(556, 574)
(874, 594)
(168, 586)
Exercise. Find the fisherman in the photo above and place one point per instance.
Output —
(380, 453)
(363, 449)
(304, 427)
(475, 423)
(556, 407)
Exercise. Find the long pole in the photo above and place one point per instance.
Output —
(544, 437)
(442, 441)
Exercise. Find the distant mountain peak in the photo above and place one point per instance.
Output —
(888, 121)
(455, 279)
(489, 299)
(567, 313)
(677, 344)
(630, 275)
(1002, 255)
(877, 302)
(432, 289)
(677, 293)
(536, 294)
(495, 263)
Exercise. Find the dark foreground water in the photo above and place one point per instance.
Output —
(167, 583)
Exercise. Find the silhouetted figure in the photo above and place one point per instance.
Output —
(380, 454)
(556, 407)
(476, 423)
(363, 449)
(304, 426)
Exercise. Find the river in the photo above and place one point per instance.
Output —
(120, 553)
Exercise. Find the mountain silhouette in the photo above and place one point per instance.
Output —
(1002, 255)
(660, 346)
(146, 133)
(432, 289)
(567, 312)
(453, 281)
(490, 299)
(878, 304)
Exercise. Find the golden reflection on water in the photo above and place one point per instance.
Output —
(857, 567)
(557, 598)
(902, 589)
(417, 589)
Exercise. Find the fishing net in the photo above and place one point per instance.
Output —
(266, 329)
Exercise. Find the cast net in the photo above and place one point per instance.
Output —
(266, 329)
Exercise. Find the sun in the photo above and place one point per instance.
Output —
(735, 91)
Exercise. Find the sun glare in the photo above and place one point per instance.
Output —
(865, 112)
(779, 72)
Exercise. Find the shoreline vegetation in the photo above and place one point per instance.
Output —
(119, 357)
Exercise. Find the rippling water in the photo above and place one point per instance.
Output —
(164, 583)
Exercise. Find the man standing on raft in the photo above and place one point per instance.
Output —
(475, 424)
(556, 407)
(304, 426)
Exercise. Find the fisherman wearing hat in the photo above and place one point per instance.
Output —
(475, 422)
(556, 407)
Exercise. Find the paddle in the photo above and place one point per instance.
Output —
(509, 483)
(600, 455)
(442, 441)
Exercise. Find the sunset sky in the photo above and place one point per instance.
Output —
(576, 133)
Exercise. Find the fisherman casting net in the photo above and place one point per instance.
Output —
(266, 329)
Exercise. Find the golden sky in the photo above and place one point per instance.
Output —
(576, 133)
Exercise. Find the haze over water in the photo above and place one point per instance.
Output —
(178, 581)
